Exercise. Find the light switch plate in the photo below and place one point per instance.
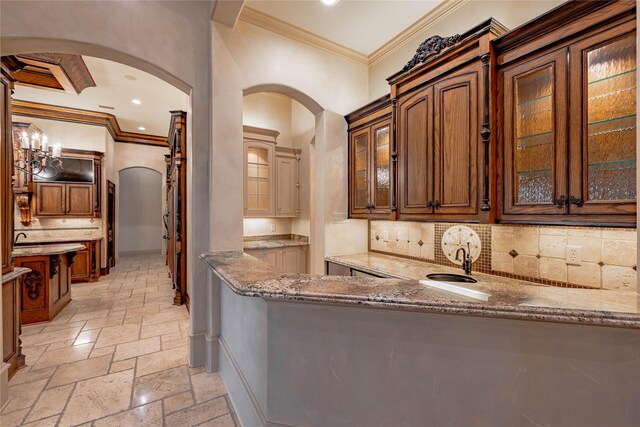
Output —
(385, 236)
(273, 227)
(574, 255)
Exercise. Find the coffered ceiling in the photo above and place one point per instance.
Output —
(360, 25)
(116, 86)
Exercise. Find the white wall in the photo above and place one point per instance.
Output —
(263, 226)
(508, 13)
(140, 212)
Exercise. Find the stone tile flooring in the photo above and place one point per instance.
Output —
(116, 356)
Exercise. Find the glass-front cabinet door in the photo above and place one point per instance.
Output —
(360, 167)
(258, 179)
(535, 136)
(382, 180)
(603, 125)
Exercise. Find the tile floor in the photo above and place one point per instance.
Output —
(116, 356)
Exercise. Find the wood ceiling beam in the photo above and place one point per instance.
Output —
(85, 117)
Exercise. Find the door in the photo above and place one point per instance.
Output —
(603, 124)
(50, 199)
(79, 199)
(359, 170)
(415, 173)
(535, 135)
(111, 221)
(382, 179)
(456, 137)
(81, 267)
(286, 186)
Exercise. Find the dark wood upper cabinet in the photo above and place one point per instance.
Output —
(58, 199)
(443, 128)
(567, 86)
(371, 171)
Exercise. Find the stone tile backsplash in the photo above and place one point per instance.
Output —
(536, 253)
(42, 228)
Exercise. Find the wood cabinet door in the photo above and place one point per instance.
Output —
(50, 199)
(6, 171)
(79, 199)
(415, 146)
(34, 295)
(81, 268)
(381, 177)
(259, 186)
(359, 171)
(272, 257)
(603, 123)
(535, 135)
(455, 152)
(290, 259)
(286, 186)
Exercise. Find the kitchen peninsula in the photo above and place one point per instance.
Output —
(346, 345)
(47, 287)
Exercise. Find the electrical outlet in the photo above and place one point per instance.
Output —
(574, 255)
(385, 236)
(273, 227)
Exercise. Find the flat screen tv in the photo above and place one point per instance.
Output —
(73, 170)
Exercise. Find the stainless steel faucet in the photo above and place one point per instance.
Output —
(466, 258)
(18, 235)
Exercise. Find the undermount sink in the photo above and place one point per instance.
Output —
(451, 277)
(445, 282)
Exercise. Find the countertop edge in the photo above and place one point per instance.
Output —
(528, 313)
(17, 272)
(46, 250)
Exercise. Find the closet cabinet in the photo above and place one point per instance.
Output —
(371, 175)
(568, 109)
(271, 176)
(443, 128)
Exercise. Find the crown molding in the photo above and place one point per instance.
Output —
(85, 117)
(275, 25)
(431, 18)
(270, 23)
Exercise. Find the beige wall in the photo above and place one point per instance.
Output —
(269, 111)
(303, 135)
(509, 13)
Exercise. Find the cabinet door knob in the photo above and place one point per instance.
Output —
(430, 204)
(560, 201)
(436, 204)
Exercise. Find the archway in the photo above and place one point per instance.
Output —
(316, 193)
(140, 208)
(71, 27)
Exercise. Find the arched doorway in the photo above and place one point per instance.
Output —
(140, 228)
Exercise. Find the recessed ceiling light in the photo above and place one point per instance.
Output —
(130, 77)
(136, 101)
(329, 2)
(142, 128)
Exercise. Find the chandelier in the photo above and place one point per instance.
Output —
(38, 157)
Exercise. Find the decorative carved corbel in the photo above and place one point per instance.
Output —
(430, 47)
(33, 282)
(22, 200)
(54, 263)
(70, 258)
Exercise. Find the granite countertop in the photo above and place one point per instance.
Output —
(17, 272)
(271, 244)
(42, 250)
(512, 299)
(47, 240)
